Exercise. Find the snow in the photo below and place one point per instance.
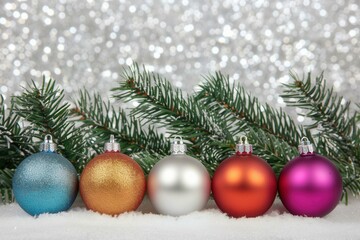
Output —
(79, 223)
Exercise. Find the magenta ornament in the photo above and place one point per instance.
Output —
(310, 184)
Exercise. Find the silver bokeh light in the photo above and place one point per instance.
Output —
(88, 43)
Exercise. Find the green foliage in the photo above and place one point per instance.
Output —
(272, 149)
(15, 140)
(214, 117)
(147, 160)
(334, 126)
(99, 120)
(6, 195)
(273, 133)
(236, 105)
(210, 122)
(330, 114)
(160, 103)
(222, 110)
(15, 145)
(6, 175)
(43, 108)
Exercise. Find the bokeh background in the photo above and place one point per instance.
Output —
(87, 43)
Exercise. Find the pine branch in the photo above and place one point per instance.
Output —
(271, 148)
(147, 160)
(15, 145)
(274, 134)
(6, 175)
(337, 135)
(15, 141)
(210, 122)
(99, 120)
(215, 125)
(236, 105)
(330, 113)
(6, 195)
(43, 108)
(349, 171)
(162, 104)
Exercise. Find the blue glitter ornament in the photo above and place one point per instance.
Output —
(45, 182)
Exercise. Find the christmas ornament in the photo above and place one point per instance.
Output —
(178, 184)
(45, 182)
(310, 184)
(244, 184)
(112, 182)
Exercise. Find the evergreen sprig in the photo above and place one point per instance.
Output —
(236, 105)
(5, 178)
(99, 120)
(210, 122)
(334, 126)
(162, 104)
(6, 175)
(15, 145)
(271, 148)
(6, 195)
(147, 159)
(15, 140)
(330, 113)
(44, 109)
(274, 134)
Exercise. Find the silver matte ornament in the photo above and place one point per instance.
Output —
(178, 184)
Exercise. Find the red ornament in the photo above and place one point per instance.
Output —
(244, 184)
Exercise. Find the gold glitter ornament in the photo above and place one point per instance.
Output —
(112, 182)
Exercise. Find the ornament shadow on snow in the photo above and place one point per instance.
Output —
(112, 182)
(178, 184)
(45, 182)
(310, 184)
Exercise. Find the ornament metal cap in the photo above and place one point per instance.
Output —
(112, 146)
(244, 147)
(48, 145)
(178, 146)
(306, 147)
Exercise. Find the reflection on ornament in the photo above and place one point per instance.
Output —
(45, 182)
(112, 182)
(178, 184)
(244, 184)
(310, 184)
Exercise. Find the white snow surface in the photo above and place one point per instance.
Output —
(78, 223)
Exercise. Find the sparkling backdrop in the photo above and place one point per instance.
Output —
(87, 43)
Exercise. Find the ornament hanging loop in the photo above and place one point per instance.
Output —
(112, 145)
(48, 145)
(244, 140)
(178, 146)
(243, 147)
(306, 148)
